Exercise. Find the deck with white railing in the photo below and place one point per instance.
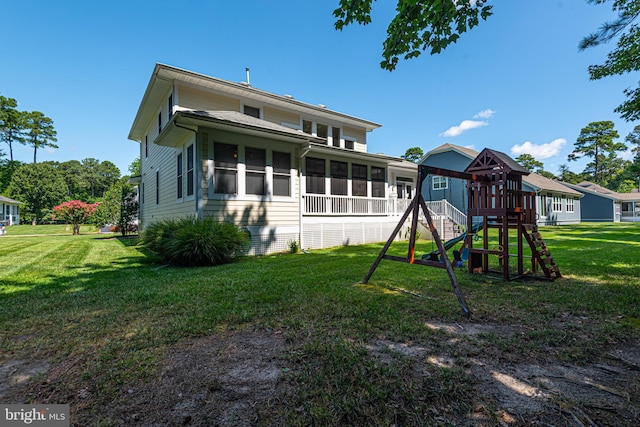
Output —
(445, 216)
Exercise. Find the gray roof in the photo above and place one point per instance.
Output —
(542, 183)
(9, 201)
(588, 187)
(510, 162)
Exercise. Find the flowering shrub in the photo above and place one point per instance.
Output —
(75, 212)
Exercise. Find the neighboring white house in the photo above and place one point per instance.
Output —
(10, 211)
(284, 169)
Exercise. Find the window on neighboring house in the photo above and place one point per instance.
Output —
(338, 178)
(557, 204)
(281, 174)
(440, 182)
(190, 170)
(378, 178)
(170, 109)
(179, 175)
(146, 146)
(307, 127)
(256, 161)
(315, 172)
(359, 180)
(570, 205)
(157, 187)
(225, 168)
(159, 122)
(543, 205)
(335, 136)
(252, 111)
(322, 131)
(349, 144)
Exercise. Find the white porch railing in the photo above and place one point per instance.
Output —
(447, 210)
(317, 204)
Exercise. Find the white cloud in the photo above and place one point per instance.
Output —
(540, 152)
(464, 126)
(485, 114)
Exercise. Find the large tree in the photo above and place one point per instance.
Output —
(529, 162)
(40, 187)
(118, 207)
(634, 168)
(596, 141)
(12, 123)
(425, 25)
(432, 25)
(413, 154)
(7, 169)
(624, 58)
(40, 132)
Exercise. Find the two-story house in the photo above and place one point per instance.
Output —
(284, 169)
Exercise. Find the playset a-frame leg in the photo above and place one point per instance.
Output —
(416, 204)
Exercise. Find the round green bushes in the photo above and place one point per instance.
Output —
(195, 242)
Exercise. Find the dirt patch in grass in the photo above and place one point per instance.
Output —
(237, 378)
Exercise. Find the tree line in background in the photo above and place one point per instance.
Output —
(47, 188)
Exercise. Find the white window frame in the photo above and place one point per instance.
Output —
(557, 204)
(437, 182)
(571, 204)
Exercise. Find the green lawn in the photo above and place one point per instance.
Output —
(106, 313)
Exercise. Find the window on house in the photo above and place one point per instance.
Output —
(281, 174)
(359, 180)
(322, 131)
(252, 111)
(142, 195)
(440, 182)
(307, 127)
(338, 178)
(159, 122)
(557, 204)
(157, 187)
(170, 105)
(225, 171)
(190, 170)
(256, 161)
(335, 132)
(377, 181)
(543, 205)
(146, 146)
(570, 205)
(349, 144)
(315, 170)
(179, 175)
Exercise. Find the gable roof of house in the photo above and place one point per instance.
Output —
(534, 180)
(467, 152)
(588, 187)
(9, 201)
(164, 76)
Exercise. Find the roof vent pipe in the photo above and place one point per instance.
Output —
(248, 78)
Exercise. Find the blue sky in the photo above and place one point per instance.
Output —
(517, 83)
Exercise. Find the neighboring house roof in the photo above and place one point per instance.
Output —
(9, 201)
(598, 190)
(542, 183)
(467, 152)
(164, 76)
